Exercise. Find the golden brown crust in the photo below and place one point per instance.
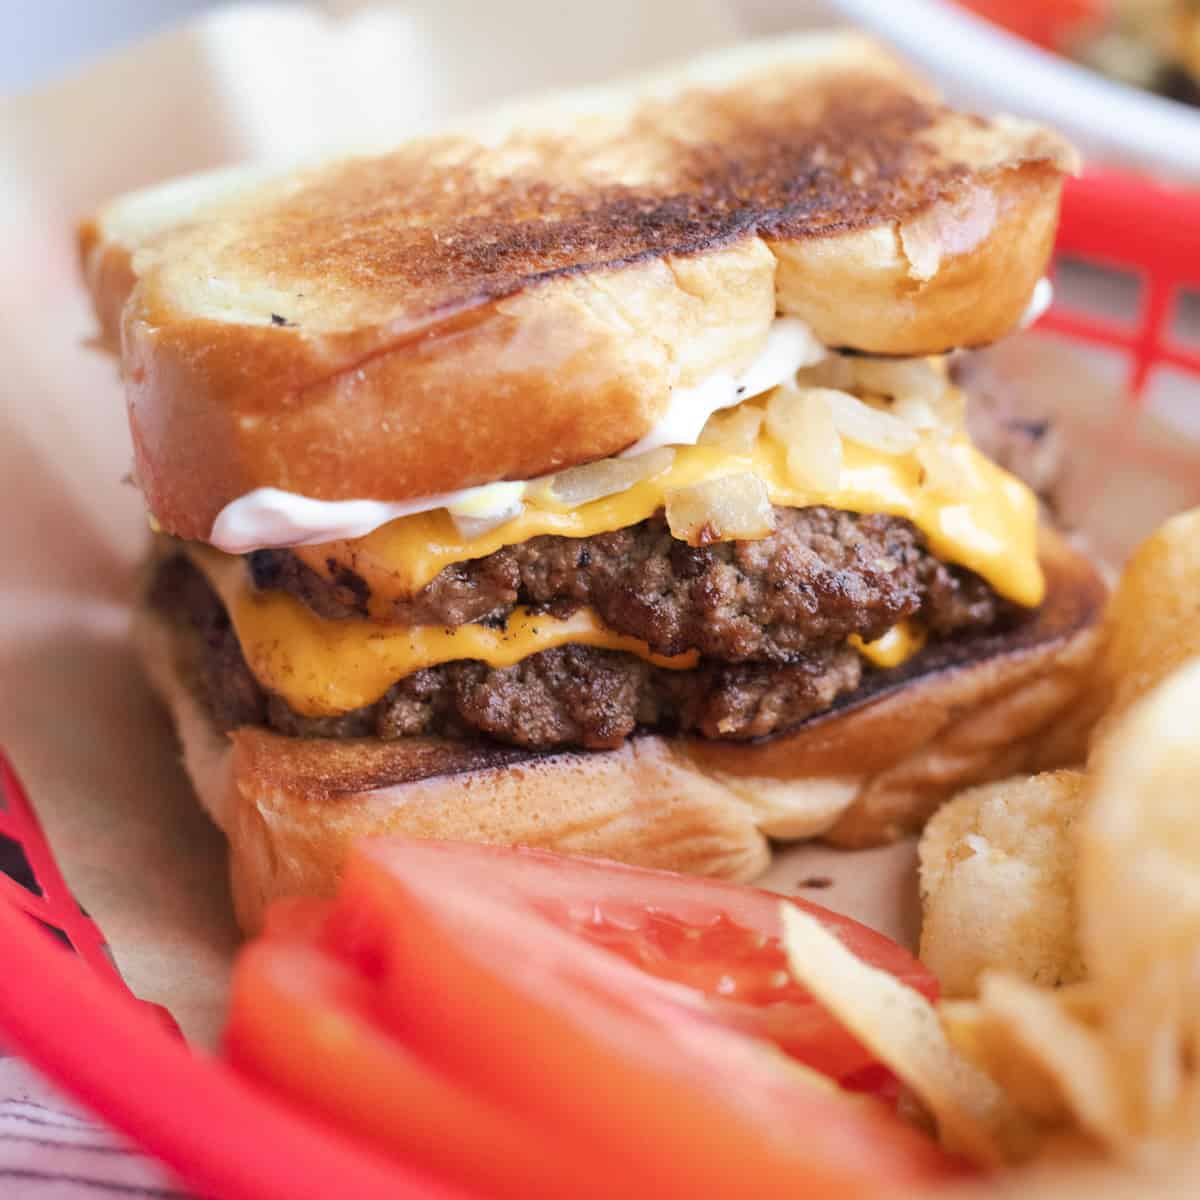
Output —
(488, 305)
(293, 822)
(872, 294)
(524, 386)
(862, 775)
(108, 273)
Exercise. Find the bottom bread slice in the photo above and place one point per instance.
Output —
(868, 771)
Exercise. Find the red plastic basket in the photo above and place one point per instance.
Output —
(1047, 22)
(71, 1016)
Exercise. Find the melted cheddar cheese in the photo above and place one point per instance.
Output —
(988, 524)
(986, 521)
(324, 668)
(896, 646)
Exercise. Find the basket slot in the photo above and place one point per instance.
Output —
(15, 864)
(1151, 343)
(1144, 229)
(1086, 286)
(1185, 327)
(53, 932)
(37, 886)
(1172, 408)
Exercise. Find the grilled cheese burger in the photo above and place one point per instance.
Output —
(592, 476)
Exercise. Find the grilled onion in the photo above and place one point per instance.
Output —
(802, 420)
(735, 429)
(720, 510)
(942, 471)
(595, 480)
(900, 377)
(470, 528)
(835, 371)
(866, 425)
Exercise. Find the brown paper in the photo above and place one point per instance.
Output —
(93, 748)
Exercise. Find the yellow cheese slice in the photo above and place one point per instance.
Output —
(323, 668)
(988, 524)
(896, 646)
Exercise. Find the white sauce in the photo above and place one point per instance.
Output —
(269, 517)
(790, 346)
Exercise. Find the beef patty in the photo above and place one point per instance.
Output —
(566, 696)
(833, 573)
(821, 576)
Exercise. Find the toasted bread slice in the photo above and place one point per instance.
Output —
(869, 771)
(524, 292)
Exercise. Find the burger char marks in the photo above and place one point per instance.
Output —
(771, 619)
(567, 696)
(823, 575)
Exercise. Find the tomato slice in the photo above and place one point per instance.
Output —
(308, 1023)
(465, 1000)
(715, 946)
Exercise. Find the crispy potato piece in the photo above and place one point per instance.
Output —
(997, 883)
(974, 1117)
(1139, 898)
(1118, 1057)
(1048, 1053)
(1112, 1062)
(1152, 624)
(982, 1033)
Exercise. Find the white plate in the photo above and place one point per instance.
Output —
(988, 68)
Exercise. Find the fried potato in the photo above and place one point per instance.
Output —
(1049, 1054)
(1003, 1034)
(1139, 898)
(901, 1027)
(997, 883)
(1152, 624)
(1117, 1057)
(1041, 876)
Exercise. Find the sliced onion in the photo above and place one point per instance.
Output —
(815, 461)
(720, 510)
(922, 394)
(947, 414)
(785, 413)
(866, 425)
(595, 480)
(942, 471)
(916, 412)
(898, 377)
(474, 527)
(835, 371)
(482, 509)
(801, 419)
(735, 429)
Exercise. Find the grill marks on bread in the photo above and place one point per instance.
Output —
(442, 225)
(527, 292)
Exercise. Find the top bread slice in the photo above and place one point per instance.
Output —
(524, 292)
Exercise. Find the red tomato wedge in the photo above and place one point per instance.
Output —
(720, 941)
(464, 1005)
(309, 1025)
